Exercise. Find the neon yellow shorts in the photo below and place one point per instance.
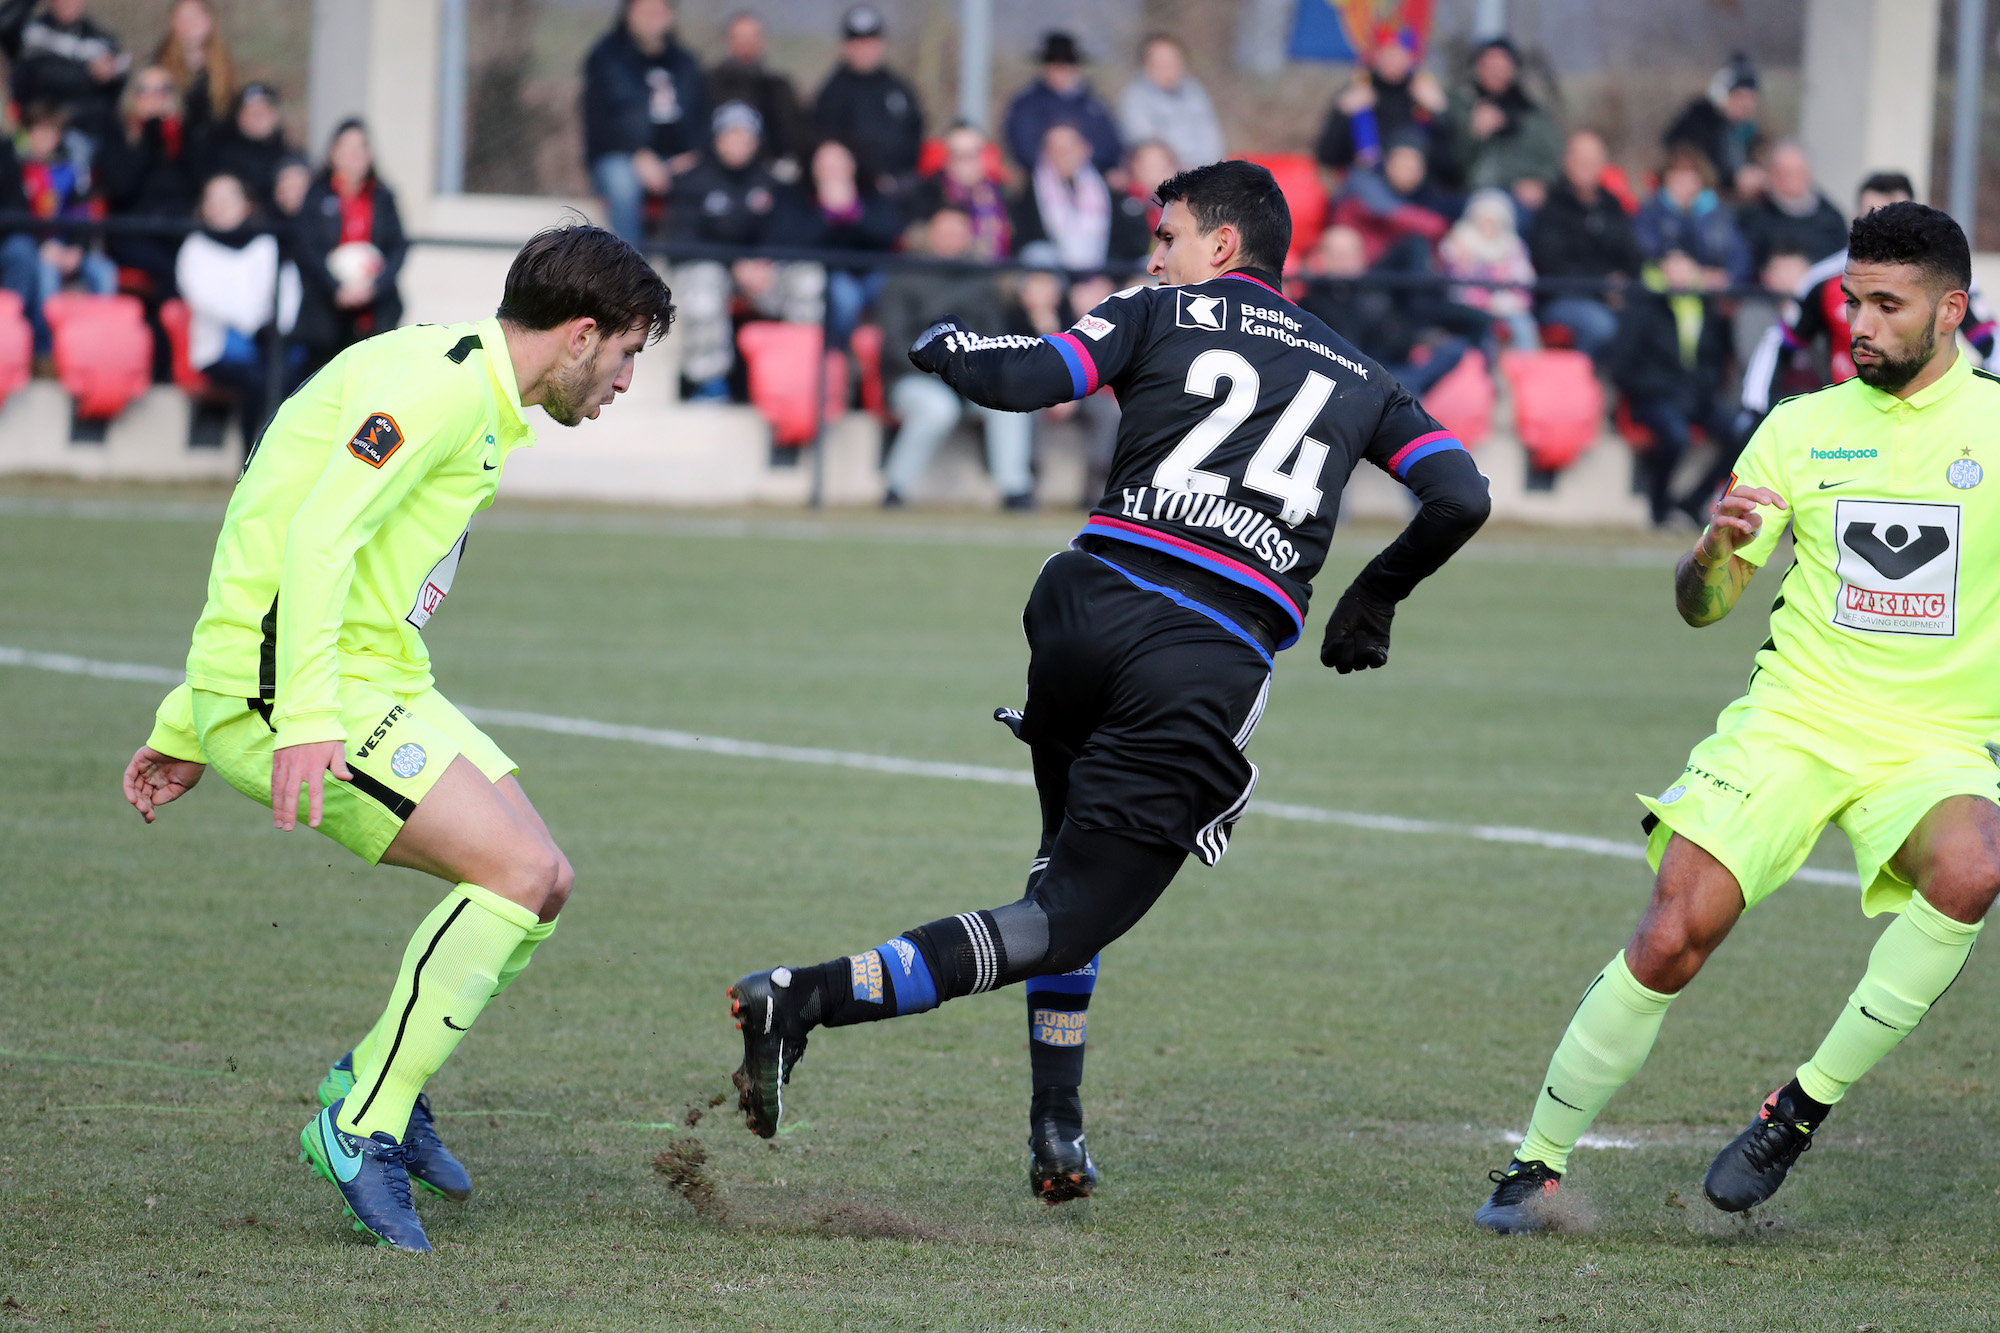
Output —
(397, 746)
(1757, 794)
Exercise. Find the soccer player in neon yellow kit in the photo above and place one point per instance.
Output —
(1873, 706)
(308, 669)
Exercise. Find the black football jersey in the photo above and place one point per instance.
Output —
(1242, 418)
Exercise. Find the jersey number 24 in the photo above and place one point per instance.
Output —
(1297, 490)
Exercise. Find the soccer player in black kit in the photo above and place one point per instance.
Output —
(1151, 640)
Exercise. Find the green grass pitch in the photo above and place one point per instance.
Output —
(1302, 1062)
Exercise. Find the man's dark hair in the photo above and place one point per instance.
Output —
(1907, 232)
(579, 271)
(1887, 182)
(1244, 195)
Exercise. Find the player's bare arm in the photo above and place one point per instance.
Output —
(1711, 576)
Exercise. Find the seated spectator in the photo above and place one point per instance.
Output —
(1389, 98)
(1669, 358)
(1684, 214)
(1061, 95)
(1485, 247)
(1793, 214)
(1168, 105)
(350, 247)
(1721, 125)
(865, 102)
(730, 198)
(1146, 169)
(1582, 232)
(252, 145)
(1068, 216)
(913, 299)
(240, 296)
(1499, 137)
(964, 184)
(149, 171)
(837, 210)
(20, 261)
(645, 106)
(59, 56)
(743, 76)
(195, 55)
(56, 184)
(1376, 318)
(1395, 203)
(1043, 305)
(289, 192)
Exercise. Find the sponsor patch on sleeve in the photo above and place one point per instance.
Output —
(1093, 328)
(378, 439)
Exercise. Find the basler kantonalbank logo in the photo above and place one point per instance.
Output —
(1196, 311)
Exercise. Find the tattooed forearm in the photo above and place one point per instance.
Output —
(1704, 593)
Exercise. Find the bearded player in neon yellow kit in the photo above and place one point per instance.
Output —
(1875, 706)
(308, 670)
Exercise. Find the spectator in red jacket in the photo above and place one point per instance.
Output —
(965, 184)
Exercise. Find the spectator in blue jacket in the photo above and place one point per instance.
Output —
(1684, 214)
(645, 112)
(1062, 96)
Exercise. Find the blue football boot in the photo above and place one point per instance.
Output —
(431, 1163)
(372, 1175)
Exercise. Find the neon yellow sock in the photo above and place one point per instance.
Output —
(1917, 957)
(1609, 1037)
(450, 971)
(517, 962)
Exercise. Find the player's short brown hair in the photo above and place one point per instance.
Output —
(580, 271)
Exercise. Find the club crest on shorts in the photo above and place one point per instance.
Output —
(1964, 474)
(408, 761)
(1673, 793)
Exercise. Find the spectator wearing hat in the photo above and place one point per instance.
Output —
(1388, 98)
(1722, 124)
(59, 56)
(743, 76)
(1792, 214)
(252, 145)
(730, 198)
(869, 106)
(1061, 95)
(645, 109)
(1685, 214)
(1497, 137)
(1582, 233)
(966, 183)
(1168, 105)
(1068, 216)
(350, 247)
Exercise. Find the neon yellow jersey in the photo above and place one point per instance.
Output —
(1891, 611)
(346, 527)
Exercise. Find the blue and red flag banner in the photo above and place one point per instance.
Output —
(1341, 30)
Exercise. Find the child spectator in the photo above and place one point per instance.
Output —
(1684, 214)
(645, 109)
(1669, 358)
(1582, 233)
(913, 299)
(197, 58)
(1499, 137)
(1721, 125)
(60, 56)
(56, 184)
(1068, 216)
(252, 145)
(351, 248)
(1376, 318)
(864, 102)
(1388, 98)
(837, 210)
(1484, 246)
(1168, 105)
(239, 296)
(729, 198)
(965, 184)
(1061, 95)
(743, 76)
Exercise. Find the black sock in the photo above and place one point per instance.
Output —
(1058, 1018)
(1802, 1107)
(918, 970)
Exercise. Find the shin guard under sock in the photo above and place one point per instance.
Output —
(449, 972)
(1912, 964)
(1058, 1019)
(1609, 1037)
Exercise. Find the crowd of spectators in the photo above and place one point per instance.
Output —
(280, 263)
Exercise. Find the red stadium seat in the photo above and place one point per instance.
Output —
(103, 351)
(1305, 194)
(1463, 400)
(17, 345)
(779, 359)
(1628, 427)
(1558, 405)
(175, 318)
(866, 345)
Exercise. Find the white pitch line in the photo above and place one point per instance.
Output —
(665, 739)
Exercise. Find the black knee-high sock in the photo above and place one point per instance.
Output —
(1058, 1018)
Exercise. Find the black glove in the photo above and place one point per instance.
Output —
(1357, 633)
(927, 353)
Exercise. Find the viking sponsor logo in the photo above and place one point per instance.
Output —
(1256, 532)
(378, 438)
(1058, 1027)
(381, 729)
(865, 973)
(1195, 311)
(1898, 567)
(437, 584)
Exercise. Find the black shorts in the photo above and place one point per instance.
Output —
(1139, 706)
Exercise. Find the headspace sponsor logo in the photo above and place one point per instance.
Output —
(865, 971)
(1841, 455)
(1059, 1027)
